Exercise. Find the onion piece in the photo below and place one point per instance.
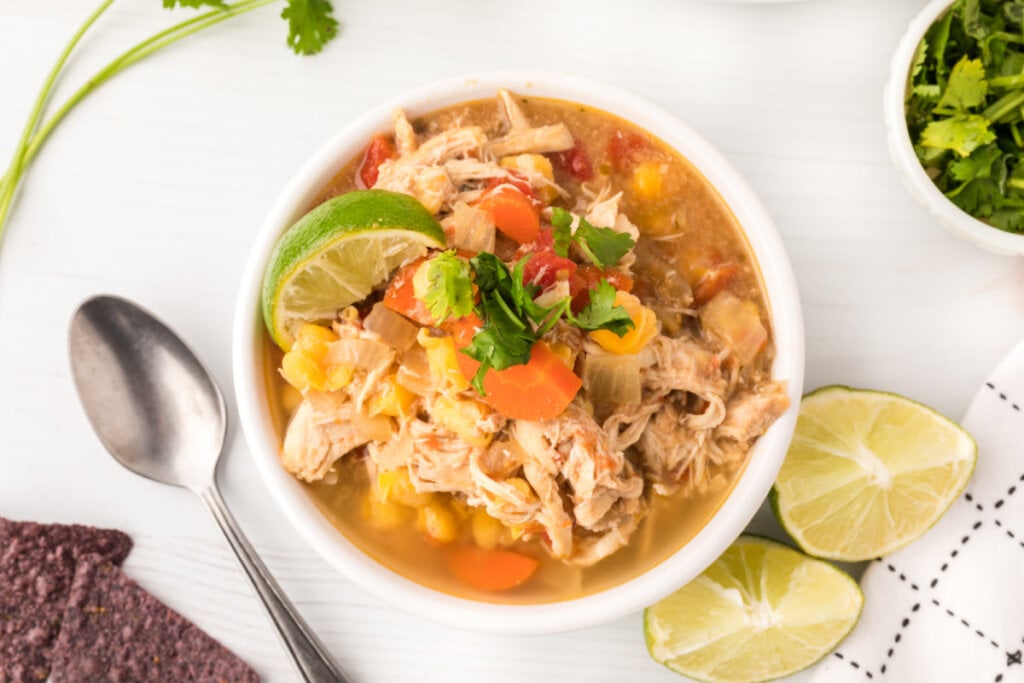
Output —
(612, 378)
(392, 328)
(470, 228)
(414, 372)
(367, 354)
(737, 323)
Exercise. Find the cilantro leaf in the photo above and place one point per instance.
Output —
(502, 342)
(561, 225)
(962, 134)
(602, 313)
(451, 287)
(977, 165)
(604, 246)
(310, 25)
(977, 197)
(171, 4)
(1010, 220)
(967, 86)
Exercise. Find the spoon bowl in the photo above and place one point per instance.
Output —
(159, 412)
(151, 401)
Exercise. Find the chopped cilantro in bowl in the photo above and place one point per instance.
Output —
(964, 108)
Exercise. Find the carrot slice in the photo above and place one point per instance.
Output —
(490, 570)
(538, 390)
(513, 213)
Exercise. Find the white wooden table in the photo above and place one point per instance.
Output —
(153, 189)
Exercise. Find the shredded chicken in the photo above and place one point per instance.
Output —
(421, 174)
(314, 442)
(578, 485)
(603, 487)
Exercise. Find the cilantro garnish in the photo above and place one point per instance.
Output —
(603, 246)
(310, 27)
(451, 287)
(602, 313)
(512, 320)
(964, 108)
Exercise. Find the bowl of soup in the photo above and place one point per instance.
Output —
(563, 405)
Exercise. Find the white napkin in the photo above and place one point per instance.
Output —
(950, 607)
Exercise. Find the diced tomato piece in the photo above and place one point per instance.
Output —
(574, 162)
(545, 268)
(513, 212)
(625, 149)
(588, 276)
(715, 279)
(537, 390)
(400, 295)
(379, 150)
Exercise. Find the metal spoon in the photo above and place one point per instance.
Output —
(159, 412)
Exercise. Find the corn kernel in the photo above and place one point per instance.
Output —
(396, 487)
(645, 326)
(437, 521)
(565, 354)
(462, 416)
(302, 372)
(392, 398)
(312, 341)
(487, 531)
(421, 281)
(521, 485)
(382, 514)
(646, 182)
(442, 359)
(339, 376)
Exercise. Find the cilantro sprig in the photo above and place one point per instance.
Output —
(512, 319)
(310, 27)
(603, 246)
(964, 108)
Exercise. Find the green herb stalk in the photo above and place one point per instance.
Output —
(310, 28)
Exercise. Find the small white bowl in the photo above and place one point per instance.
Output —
(955, 219)
(749, 491)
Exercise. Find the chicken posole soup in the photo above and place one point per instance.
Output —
(522, 351)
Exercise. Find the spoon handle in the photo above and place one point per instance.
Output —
(307, 652)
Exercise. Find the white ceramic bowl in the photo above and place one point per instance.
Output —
(621, 600)
(959, 222)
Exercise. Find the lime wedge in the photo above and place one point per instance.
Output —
(761, 611)
(337, 253)
(868, 472)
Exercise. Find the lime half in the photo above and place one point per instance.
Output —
(868, 472)
(761, 611)
(338, 252)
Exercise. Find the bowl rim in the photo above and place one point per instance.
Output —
(901, 149)
(705, 546)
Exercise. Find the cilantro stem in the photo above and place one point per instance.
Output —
(9, 182)
(1004, 105)
(1007, 81)
(1016, 182)
(29, 145)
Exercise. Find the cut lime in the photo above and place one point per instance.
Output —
(761, 611)
(338, 252)
(868, 472)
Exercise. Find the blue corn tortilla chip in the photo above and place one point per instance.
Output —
(115, 631)
(37, 566)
